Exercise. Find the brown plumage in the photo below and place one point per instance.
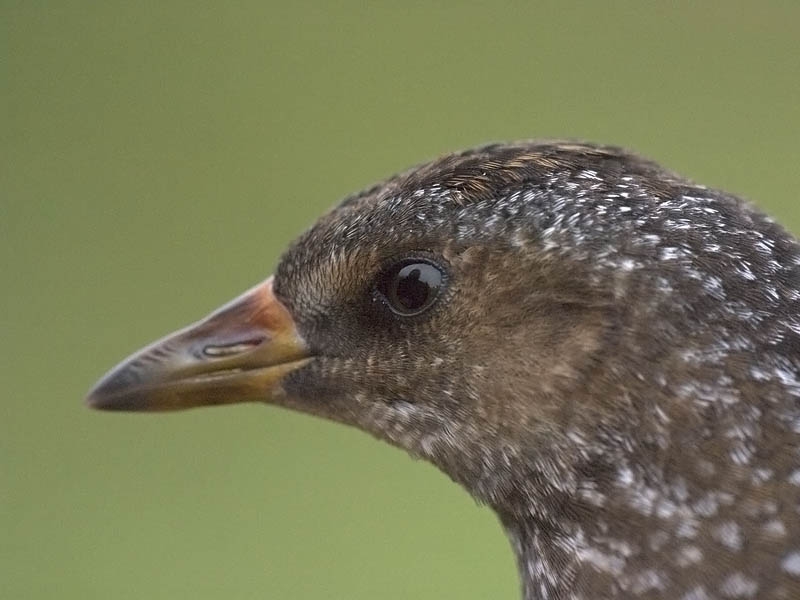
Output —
(605, 353)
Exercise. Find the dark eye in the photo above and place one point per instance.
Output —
(410, 286)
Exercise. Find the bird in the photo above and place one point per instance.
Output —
(605, 353)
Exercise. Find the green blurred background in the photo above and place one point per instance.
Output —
(156, 158)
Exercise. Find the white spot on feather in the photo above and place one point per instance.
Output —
(729, 535)
(739, 586)
(791, 563)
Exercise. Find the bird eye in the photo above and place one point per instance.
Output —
(411, 286)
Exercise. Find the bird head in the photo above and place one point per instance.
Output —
(555, 326)
(434, 311)
(509, 313)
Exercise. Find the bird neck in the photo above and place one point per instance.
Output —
(546, 567)
(563, 559)
(601, 543)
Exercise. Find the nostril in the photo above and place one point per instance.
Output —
(222, 350)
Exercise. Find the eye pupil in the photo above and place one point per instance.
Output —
(411, 287)
(411, 291)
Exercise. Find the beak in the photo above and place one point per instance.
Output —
(239, 353)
